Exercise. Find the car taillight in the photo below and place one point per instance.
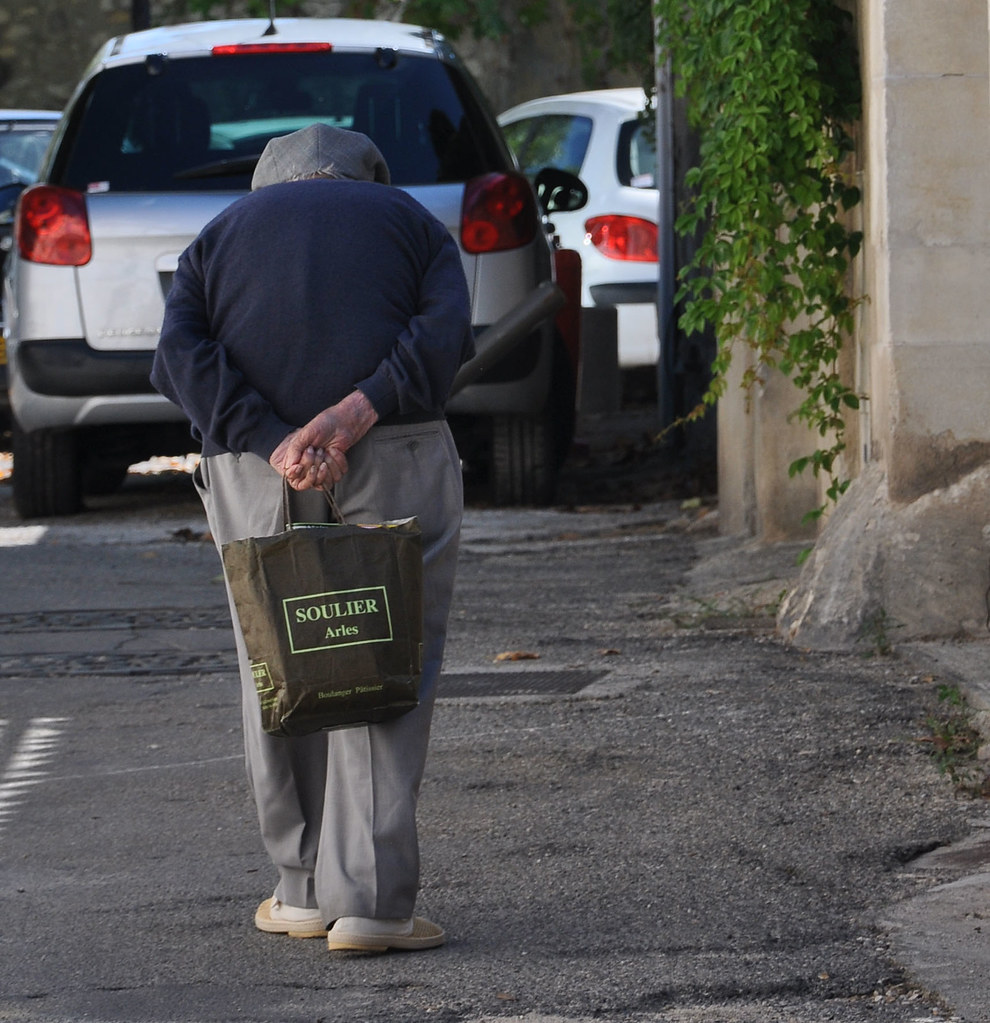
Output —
(52, 226)
(619, 237)
(498, 213)
(236, 49)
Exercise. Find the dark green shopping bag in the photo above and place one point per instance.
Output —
(332, 616)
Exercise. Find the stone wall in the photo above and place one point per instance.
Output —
(45, 45)
(908, 544)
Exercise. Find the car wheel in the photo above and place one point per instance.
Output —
(46, 472)
(528, 451)
(523, 467)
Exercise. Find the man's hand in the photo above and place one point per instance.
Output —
(313, 455)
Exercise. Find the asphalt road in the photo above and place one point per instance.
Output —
(650, 810)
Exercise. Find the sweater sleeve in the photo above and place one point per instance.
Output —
(194, 371)
(419, 371)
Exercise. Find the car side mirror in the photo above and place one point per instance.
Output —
(560, 191)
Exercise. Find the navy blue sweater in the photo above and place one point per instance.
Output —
(301, 292)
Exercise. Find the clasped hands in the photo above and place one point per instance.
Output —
(314, 455)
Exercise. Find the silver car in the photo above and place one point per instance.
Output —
(161, 134)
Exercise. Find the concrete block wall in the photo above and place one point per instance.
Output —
(909, 540)
(929, 163)
(46, 44)
(757, 441)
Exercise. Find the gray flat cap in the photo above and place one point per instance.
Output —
(304, 152)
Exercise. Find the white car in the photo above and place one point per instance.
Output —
(603, 138)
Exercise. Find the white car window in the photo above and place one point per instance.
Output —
(549, 140)
(637, 155)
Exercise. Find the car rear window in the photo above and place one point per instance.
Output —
(201, 122)
(549, 140)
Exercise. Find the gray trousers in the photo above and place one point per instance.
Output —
(338, 809)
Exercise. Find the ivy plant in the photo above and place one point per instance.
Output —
(771, 88)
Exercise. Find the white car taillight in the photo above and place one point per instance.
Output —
(51, 226)
(498, 213)
(620, 237)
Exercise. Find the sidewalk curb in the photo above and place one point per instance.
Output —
(942, 936)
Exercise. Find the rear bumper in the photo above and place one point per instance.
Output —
(624, 293)
(517, 384)
(65, 382)
(70, 368)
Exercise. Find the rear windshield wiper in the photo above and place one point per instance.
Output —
(218, 168)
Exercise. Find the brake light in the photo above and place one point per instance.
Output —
(498, 213)
(236, 49)
(618, 237)
(52, 226)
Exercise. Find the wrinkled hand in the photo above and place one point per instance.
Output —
(313, 456)
(313, 467)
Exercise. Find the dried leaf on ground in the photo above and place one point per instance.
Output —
(517, 655)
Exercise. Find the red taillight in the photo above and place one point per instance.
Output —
(619, 237)
(498, 213)
(235, 49)
(52, 226)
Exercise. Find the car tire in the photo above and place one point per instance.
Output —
(46, 477)
(523, 467)
(528, 451)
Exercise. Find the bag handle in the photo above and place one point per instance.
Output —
(327, 493)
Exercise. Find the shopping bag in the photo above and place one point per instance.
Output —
(332, 616)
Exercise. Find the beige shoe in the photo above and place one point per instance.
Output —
(276, 917)
(359, 934)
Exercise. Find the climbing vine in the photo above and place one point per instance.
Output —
(771, 88)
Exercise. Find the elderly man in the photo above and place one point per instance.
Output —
(312, 333)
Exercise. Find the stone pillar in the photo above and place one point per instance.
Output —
(933, 355)
(757, 442)
(906, 544)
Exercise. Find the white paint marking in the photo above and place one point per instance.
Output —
(27, 765)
